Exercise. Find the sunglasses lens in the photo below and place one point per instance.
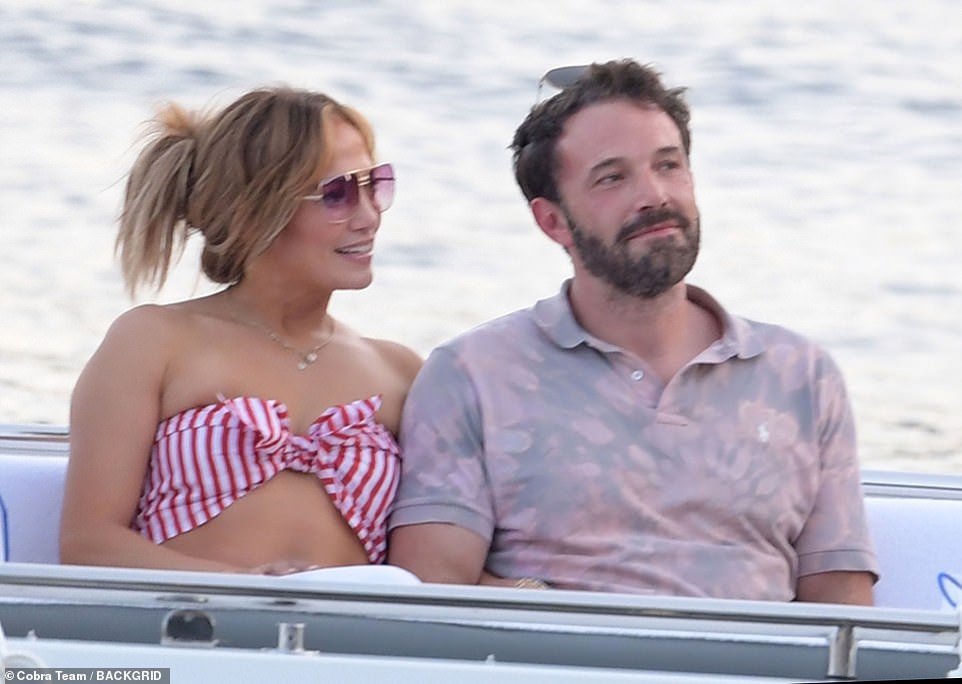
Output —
(340, 197)
(382, 180)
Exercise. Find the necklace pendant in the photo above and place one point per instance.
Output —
(304, 359)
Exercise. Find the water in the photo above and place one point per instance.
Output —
(827, 154)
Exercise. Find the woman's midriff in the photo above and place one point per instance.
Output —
(289, 518)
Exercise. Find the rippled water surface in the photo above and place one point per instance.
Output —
(827, 154)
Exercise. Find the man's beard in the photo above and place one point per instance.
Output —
(666, 262)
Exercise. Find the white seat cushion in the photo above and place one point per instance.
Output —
(916, 540)
(31, 488)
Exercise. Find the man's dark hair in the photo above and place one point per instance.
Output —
(536, 139)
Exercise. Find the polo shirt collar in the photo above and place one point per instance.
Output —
(557, 321)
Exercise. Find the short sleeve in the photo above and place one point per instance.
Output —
(443, 476)
(836, 535)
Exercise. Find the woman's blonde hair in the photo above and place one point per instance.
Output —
(235, 176)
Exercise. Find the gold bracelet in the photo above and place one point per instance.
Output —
(530, 583)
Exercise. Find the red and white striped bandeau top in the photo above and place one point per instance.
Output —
(207, 457)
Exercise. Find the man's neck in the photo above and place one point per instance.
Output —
(665, 332)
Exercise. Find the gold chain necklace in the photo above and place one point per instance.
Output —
(305, 358)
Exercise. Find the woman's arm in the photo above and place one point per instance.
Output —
(114, 413)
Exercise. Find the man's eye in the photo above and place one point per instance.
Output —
(669, 165)
(610, 178)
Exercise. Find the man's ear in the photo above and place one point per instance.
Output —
(551, 220)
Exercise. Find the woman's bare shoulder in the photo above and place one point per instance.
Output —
(146, 333)
(402, 357)
(161, 319)
(404, 360)
(140, 324)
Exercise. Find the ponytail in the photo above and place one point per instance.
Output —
(153, 221)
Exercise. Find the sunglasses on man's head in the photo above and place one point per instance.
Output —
(341, 195)
(559, 78)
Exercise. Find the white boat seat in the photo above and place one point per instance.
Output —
(916, 537)
(31, 494)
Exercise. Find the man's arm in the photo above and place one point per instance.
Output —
(443, 506)
(837, 586)
(836, 560)
(438, 552)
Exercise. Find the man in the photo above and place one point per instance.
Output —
(629, 434)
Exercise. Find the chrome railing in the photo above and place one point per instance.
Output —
(842, 627)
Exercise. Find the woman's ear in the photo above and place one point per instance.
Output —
(551, 220)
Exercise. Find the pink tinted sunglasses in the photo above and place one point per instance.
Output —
(341, 195)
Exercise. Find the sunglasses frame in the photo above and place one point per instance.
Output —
(560, 77)
(355, 180)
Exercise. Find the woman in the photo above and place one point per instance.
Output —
(247, 430)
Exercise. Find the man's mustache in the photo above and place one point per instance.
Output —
(649, 219)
